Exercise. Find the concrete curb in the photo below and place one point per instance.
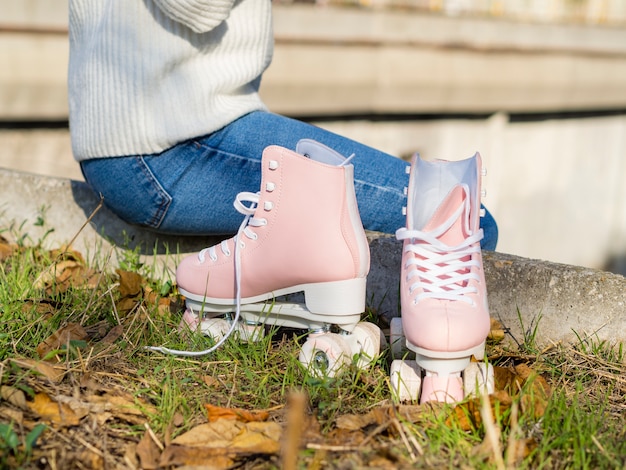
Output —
(562, 302)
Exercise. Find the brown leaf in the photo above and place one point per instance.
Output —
(12, 415)
(217, 412)
(56, 413)
(113, 334)
(59, 277)
(496, 332)
(61, 337)
(536, 393)
(54, 373)
(380, 415)
(66, 253)
(130, 283)
(467, 414)
(258, 438)
(6, 249)
(126, 304)
(13, 395)
(210, 381)
(215, 434)
(204, 457)
(42, 308)
(234, 436)
(148, 452)
(506, 379)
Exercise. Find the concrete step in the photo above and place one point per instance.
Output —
(545, 301)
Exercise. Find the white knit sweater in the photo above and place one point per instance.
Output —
(147, 74)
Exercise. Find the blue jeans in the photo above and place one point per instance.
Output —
(189, 189)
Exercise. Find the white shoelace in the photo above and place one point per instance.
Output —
(442, 271)
(248, 221)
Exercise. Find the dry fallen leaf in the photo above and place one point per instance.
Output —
(60, 276)
(6, 249)
(536, 394)
(467, 414)
(14, 396)
(496, 332)
(201, 457)
(56, 413)
(61, 337)
(130, 283)
(12, 414)
(235, 436)
(380, 415)
(148, 452)
(54, 373)
(217, 412)
(113, 334)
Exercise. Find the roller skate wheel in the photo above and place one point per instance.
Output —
(406, 380)
(397, 338)
(368, 341)
(445, 388)
(325, 354)
(215, 328)
(478, 379)
(189, 322)
(250, 333)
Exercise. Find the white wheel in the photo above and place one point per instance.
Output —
(250, 333)
(397, 338)
(215, 328)
(406, 380)
(367, 343)
(325, 354)
(478, 379)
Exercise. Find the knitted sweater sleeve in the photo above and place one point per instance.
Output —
(199, 15)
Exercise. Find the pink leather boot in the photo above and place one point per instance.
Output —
(302, 233)
(445, 316)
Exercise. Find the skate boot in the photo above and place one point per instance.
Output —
(302, 232)
(445, 317)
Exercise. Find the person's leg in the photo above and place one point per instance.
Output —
(380, 178)
(189, 189)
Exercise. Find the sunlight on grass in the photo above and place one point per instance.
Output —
(578, 425)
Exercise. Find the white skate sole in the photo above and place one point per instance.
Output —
(339, 303)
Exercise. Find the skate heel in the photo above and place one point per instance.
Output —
(337, 297)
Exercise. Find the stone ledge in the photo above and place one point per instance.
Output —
(563, 301)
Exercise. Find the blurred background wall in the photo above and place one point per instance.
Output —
(537, 86)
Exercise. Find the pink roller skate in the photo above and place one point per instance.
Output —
(445, 317)
(302, 233)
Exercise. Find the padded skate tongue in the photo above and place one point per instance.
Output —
(319, 152)
(458, 229)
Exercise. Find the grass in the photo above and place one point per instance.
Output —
(579, 425)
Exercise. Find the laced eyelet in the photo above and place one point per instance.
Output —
(268, 205)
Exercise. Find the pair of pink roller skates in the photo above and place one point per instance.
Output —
(302, 233)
